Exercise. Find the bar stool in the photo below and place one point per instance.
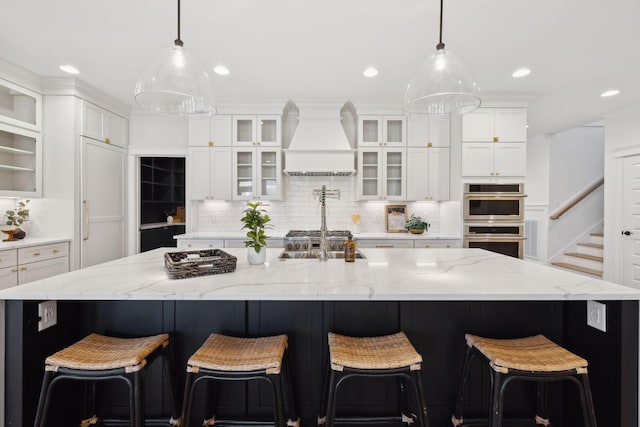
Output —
(224, 358)
(98, 357)
(530, 359)
(383, 356)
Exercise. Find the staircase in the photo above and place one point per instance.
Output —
(587, 259)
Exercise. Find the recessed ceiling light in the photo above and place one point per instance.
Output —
(521, 72)
(221, 70)
(69, 69)
(370, 72)
(612, 92)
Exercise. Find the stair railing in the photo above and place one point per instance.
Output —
(562, 209)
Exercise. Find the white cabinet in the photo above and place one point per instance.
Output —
(30, 263)
(210, 132)
(103, 125)
(257, 174)
(428, 132)
(254, 131)
(20, 162)
(495, 124)
(376, 131)
(427, 174)
(191, 244)
(385, 243)
(210, 173)
(437, 243)
(382, 174)
(20, 107)
(239, 243)
(494, 159)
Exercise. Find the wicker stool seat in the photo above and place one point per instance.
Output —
(98, 357)
(381, 356)
(535, 358)
(223, 358)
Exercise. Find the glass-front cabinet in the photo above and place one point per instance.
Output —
(257, 174)
(20, 162)
(20, 107)
(375, 131)
(382, 174)
(256, 131)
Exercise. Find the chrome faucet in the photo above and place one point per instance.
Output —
(322, 194)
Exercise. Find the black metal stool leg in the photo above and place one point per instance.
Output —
(322, 413)
(542, 414)
(587, 409)
(138, 397)
(211, 402)
(43, 402)
(290, 404)
(457, 418)
(495, 417)
(331, 399)
(278, 401)
(167, 363)
(421, 398)
(186, 402)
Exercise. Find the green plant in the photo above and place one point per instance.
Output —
(18, 216)
(255, 220)
(170, 212)
(417, 223)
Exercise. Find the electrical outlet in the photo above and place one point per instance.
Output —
(47, 315)
(597, 315)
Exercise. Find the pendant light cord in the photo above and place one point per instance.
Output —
(178, 41)
(440, 45)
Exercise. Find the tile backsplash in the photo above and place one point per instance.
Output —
(300, 209)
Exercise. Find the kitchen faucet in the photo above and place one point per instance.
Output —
(322, 194)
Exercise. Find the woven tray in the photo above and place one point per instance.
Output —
(181, 265)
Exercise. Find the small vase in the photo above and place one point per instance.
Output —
(11, 235)
(169, 219)
(416, 230)
(21, 234)
(256, 258)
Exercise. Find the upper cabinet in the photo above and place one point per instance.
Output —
(20, 107)
(381, 131)
(210, 131)
(257, 173)
(382, 174)
(428, 132)
(428, 173)
(254, 131)
(20, 162)
(495, 124)
(103, 125)
(491, 159)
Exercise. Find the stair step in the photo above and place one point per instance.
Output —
(585, 256)
(592, 245)
(578, 268)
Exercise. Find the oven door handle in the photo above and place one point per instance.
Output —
(494, 196)
(471, 238)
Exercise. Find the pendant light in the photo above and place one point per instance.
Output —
(443, 85)
(176, 84)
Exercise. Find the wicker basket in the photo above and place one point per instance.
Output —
(182, 265)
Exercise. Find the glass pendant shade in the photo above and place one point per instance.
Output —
(176, 84)
(443, 86)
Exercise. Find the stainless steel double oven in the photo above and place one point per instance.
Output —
(494, 218)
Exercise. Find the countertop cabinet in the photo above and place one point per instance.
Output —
(495, 124)
(257, 131)
(382, 131)
(428, 174)
(384, 243)
(382, 173)
(27, 264)
(103, 125)
(210, 173)
(494, 159)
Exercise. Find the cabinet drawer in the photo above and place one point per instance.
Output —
(43, 252)
(8, 258)
(8, 277)
(387, 243)
(42, 269)
(437, 244)
(189, 244)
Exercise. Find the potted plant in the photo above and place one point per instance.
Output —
(416, 225)
(255, 220)
(15, 218)
(169, 213)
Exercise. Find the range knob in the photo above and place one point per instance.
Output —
(289, 246)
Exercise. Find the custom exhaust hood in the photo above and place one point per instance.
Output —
(319, 146)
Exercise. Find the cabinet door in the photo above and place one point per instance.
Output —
(244, 174)
(428, 132)
(510, 159)
(369, 174)
(269, 131)
(20, 162)
(395, 174)
(244, 131)
(42, 269)
(386, 243)
(369, 131)
(190, 244)
(394, 131)
(20, 106)
(117, 130)
(199, 173)
(417, 173)
(438, 173)
(220, 173)
(93, 121)
(478, 125)
(510, 124)
(440, 132)
(8, 277)
(424, 243)
(268, 173)
(477, 159)
(220, 131)
(199, 132)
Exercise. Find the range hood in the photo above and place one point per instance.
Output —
(319, 146)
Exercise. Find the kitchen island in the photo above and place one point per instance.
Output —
(434, 295)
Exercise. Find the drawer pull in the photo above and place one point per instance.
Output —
(55, 251)
(23, 268)
(384, 245)
(14, 270)
(36, 254)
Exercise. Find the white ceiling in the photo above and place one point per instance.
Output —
(316, 50)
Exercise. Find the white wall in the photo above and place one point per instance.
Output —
(622, 138)
(537, 181)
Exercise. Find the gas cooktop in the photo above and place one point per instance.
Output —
(316, 233)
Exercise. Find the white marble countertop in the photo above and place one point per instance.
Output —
(32, 241)
(152, 225)
(385, 275)
(214, 235)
